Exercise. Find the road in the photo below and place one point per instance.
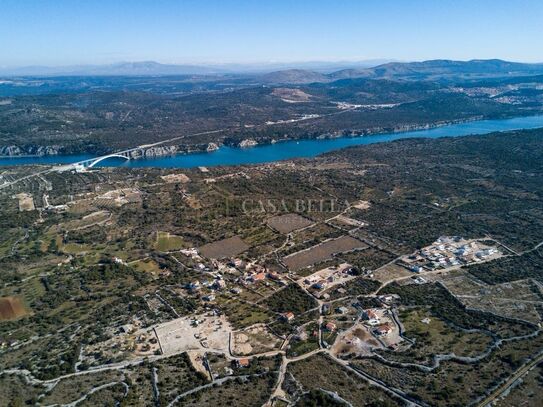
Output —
(510, 382)
(171, 140)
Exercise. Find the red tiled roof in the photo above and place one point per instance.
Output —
(243, 362)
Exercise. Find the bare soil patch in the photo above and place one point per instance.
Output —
(290, 95)
(224, 248)
(391, 272)
(11, 308)
(288, 223)
(321, 252)
(362, 205)
(256, 339)
(184, 334)
(86, 221)
(175, 178)
(26, 202)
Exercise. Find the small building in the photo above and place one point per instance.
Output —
(257, 268)
(383, 330)
(325, 309)
(416, 269)
(370, 314)
(288, 316)
(371, 317)
(219, 284)
(420, 280)
(389, 298)
(330, 326)
(258, 277)
(274, 276)
(193, 286)
(118, 260)
(238, 263)
(127, 328)
(353, 271)
(244, 362)
(342, 310)
(319, 285)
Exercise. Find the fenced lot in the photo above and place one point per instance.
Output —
(321, 252)
(288, 223)
(224, 248)
(182, 334)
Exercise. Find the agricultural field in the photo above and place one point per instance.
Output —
(94, 218)
(355, 287)
(368, 259)
(148, 266)
(26, 202)
(166, 242)
(224, 248)
(240, 391)
(288, 223)
(321, 252)
(175, 376)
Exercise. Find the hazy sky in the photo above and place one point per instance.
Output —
(61, 32)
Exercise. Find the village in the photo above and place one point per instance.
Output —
(342, 327)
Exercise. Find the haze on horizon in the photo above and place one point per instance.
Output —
(74, 32)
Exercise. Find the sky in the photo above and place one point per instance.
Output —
(68, 32)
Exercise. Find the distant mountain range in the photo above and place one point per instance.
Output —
(146, 68)
(120, 69)
(312, 72)
(439, 69)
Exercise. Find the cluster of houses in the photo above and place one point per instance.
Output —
(247, 274)
(251, 272)
(448, 252)
(373, 319)
(377, 320)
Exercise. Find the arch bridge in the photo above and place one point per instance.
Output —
(93, 161)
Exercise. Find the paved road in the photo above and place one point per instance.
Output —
(510, 382)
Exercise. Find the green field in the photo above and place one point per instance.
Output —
(166, 242)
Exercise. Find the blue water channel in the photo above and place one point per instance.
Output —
(288, 149)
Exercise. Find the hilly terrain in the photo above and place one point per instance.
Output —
(439, 69)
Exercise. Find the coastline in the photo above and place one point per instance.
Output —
(189, 149)
(296, 148)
